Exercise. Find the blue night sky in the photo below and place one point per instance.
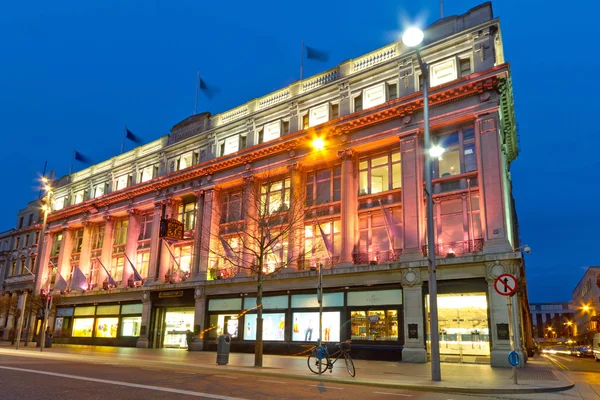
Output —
(73, 73)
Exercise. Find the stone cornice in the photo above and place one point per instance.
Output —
(473, 84)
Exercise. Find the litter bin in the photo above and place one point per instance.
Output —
(48, 341)
(223, 343)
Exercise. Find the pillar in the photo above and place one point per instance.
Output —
(154, 244)
(349, 207)
(199, 318)
(198, 234)
(144, 339)
(84, 257)
(64, 255)
(414, 349)
(133, 232)
(4, 314)
(45, 247)
(251, 202)
(165, 260)
(296, 215)
(107, 247)
(12, 309)
(490, 184)
(412, 197)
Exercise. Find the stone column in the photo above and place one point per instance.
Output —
(133, 232)
(144, 339)
(498, 312)
(412, 197)
(86, 249)
(198, 234)
(107, 248)
(64, 255)
(154, 244)
(10, 321)
(199, 318)
(491, 188)
(294, 123)
(251, 203)
(414, 350)
(349, 208)
(344, 98)
(296, 215)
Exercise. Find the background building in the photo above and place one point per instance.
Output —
(353, 206)
(586, 305)
(552, 322)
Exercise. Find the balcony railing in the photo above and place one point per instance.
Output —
(312, 264)
(454, 249)
(378, 257)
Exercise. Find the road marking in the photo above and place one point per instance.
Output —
(394, 394)
(188, 373)
(326, 387)
(151, 369)
(127, 384)
(264, 380)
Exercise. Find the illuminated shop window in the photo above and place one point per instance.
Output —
(221, 324)
(231, 207)
(107, 327)
(305, 326)
(459, 155)
(275, 197)
(273, 327)
(83, 327)
(314, 246)
(131, 326)
(186, 214)
(374, 325)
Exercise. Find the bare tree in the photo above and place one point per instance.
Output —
(258, 232)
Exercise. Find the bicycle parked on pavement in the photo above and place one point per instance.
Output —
(320, 360)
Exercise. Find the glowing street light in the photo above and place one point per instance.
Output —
(436, 151)
(412, 37)
(318, 144)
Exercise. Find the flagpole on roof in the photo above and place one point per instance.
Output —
(441, 9)
(302, 61)
(197, 86)
(124, 136)
(71, 165)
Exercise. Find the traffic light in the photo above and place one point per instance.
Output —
(49, 302)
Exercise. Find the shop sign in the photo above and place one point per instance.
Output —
(268, 303)
(503, 332)
(64, 312)
(413, 331)
(225, 304)
(131, 308)
(172, 293)
(311, 301)
(375, 298)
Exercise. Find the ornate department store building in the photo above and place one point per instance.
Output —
(363, 192)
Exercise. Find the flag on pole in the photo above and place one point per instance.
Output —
(110, 278)
(77, 156)
(317, 55)
(130, 136)
(136, 275)
(390, 227)
(326, 240)
(228, 251)
(60, 285)
(79, 281)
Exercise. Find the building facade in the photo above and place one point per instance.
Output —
(586, 306)
(355, 208)
(552, 322)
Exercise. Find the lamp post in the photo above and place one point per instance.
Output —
(413, 37)
(46, 209)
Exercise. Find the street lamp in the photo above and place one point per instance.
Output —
(413, 37)
(46, 208)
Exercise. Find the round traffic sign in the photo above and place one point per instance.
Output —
(506, 284)
(513, 358)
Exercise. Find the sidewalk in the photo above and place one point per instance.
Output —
(538, 376)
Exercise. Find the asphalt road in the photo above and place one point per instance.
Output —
(26, 378)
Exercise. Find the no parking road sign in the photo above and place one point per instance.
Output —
(506, 285)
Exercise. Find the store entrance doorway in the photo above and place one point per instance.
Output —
(171, 326)
(463, 328)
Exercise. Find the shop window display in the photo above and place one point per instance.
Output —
(83, 327)
(107, 327)
(131, 326)
(306, 327)
(374, 325)
(224, 324)
(273, 327)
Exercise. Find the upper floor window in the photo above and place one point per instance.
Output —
(56, 244)
(459, 153)
(122, 182)
(20, 222)
(320, 114)
(146, 226)
(121, 232)
(30, 220)
(186, 213)
(26, 240)
(464, 66)
(59, 203)
(447, 70)
(273, 130)
(13, 268)
(77, 240)
(147, 173)
(275, 197)
(375, 95)
(183, 161)
(323, 186)
(231, 209)
(459, 226)
(380, 173)
(23, 266)
(18, 242)
(99, 190)
(79, 197)
(232, 144)
(97, 237)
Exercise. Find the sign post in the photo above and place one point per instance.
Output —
(506, 285)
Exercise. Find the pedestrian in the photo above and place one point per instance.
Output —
(188, 338)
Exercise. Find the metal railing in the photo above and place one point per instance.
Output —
(454, 249)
